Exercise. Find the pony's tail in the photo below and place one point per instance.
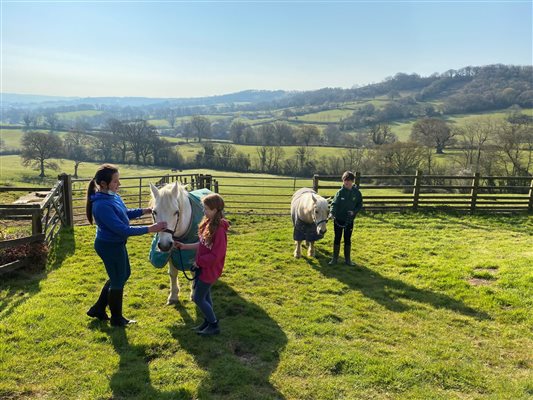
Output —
(88, 203)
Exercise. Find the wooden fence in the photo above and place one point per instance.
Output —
(46, 217)
(270, 195)
(474, 193)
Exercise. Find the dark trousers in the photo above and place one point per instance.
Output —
(116, 262)
(339, 227)
(202, 298)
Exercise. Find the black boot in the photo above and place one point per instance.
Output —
(98, 309)
(335, 258)
(201, 327)
(347, 257)
(115, 305)
(210, 329)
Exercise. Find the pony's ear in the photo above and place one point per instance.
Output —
(154, 190)
(314, 198)
(175, 189)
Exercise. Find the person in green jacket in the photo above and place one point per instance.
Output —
(347, 202)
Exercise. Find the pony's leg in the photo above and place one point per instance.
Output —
(174, 284)
(311, 249)
(298, 249)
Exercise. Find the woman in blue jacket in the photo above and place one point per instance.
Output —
(112, 219)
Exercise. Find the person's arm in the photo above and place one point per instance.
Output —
(218, 251)
(186, 246)
(135, 212)
(334, 204)
(359, 202)
(112, 222)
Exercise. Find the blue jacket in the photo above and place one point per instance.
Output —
(112, 218)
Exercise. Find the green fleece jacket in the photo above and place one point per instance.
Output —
(344, 201)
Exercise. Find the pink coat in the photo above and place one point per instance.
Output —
(211, 259)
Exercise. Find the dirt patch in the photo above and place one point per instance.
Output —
(479, 282)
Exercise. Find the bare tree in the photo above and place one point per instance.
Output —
(473, 139)
(308, 134)
(201, 127)
(39, 148)
(381, 134)
(76, 145)
(515, 142)
(432, 132)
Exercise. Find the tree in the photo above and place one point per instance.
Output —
(515, 142)
(381, 134)
(332, 134)
(75, 145)
(120, 138)
(38, 148)
(236, 131)
(52, 121)
(139, 135)
(399, 158)
(201, 127)
(308, 134)
(473, 138)
(432, 132)
(28, 120)
(224, 155)
(171, 117)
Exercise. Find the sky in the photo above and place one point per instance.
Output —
(203, 48)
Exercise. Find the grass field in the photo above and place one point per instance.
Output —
(438, 307)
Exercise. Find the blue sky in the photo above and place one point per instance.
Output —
(191, 49)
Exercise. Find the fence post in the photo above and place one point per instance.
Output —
(216, 186)
(67, 199)
(357, 181)
(208, 179)
(36, 222)
(315, 183)
(473, 193)
(416, 189)
(530, 206)
(140, 191)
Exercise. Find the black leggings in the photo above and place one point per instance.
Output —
(339, 227)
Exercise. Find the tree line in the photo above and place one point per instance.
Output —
(486, 145)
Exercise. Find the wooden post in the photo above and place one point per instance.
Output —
(140, 191)
(416, 189)
(208, 179)
(530, 206)
(357, 181)
(67, 199)
(315, 183)
(216, 186)
(473, 193)
(36, 222)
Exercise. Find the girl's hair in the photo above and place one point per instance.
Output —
(208, 227)
(104, 174)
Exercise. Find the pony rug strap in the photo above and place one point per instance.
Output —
(184, 262)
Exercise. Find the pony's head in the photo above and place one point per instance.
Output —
(168, 205)
(320, 213)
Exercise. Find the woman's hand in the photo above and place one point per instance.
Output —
(157, 227)
(147, 211)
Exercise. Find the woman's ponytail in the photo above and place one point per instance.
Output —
(89, 205)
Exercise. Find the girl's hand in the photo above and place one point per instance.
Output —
(157, 227)
(178, 245)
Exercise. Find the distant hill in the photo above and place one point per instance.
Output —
(37, 101)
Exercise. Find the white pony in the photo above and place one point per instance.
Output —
(309, 213)
(171, 204)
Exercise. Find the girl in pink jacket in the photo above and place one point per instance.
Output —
(210, 256)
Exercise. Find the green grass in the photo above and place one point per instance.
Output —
(72, 115)
(404, 323)
(12, 137)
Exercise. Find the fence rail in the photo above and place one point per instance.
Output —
(46, 217)
(450, 192)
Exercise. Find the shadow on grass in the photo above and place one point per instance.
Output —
(21, 285)
(241, 359)
(132, 379)
(389, 292)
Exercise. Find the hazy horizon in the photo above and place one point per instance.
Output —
(184, 49)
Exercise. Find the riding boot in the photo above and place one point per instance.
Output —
(201, 327)
(335, 258)
(98, 309)
(115, 305)
(347, 257)
(211, 329)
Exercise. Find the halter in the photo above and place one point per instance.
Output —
(174, 237)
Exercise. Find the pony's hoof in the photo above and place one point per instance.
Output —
(297, 255)
(171, 302)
